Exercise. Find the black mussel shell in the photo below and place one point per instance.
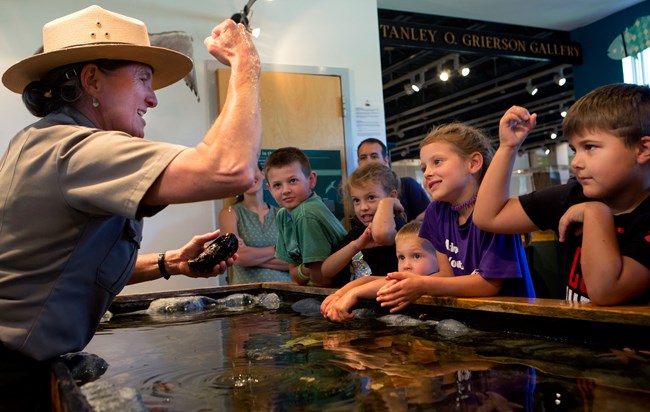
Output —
(219, 250)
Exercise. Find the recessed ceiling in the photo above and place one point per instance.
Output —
(548, 14)
(494, 83)
(479, 99)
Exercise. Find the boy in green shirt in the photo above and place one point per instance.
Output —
(307, 228)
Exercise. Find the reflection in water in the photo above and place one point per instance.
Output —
(401, 372)
(279, 360)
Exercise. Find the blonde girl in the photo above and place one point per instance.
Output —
(454, 159)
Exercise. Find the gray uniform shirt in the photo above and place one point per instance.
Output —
(70, 228)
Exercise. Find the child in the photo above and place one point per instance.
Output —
(472, 262)
(602, 217)
(307, 228)
(415, 255)
(412, 196)
(369, 247)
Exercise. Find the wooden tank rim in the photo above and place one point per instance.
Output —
(636, 315)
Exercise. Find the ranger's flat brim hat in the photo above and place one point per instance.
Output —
(95, 33)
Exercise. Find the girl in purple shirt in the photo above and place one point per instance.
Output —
(472, 262)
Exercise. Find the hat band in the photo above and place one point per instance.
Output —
(112, 43)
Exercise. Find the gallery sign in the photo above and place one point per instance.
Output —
(472, 41)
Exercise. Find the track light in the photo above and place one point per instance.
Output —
(562, 111)
(442, 73)
(462, 70)
(414, 86)
(547, 150)
(553, 135)
(530, 88)
(559, 78)
(418, 84)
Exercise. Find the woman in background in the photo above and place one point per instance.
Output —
(252, 220)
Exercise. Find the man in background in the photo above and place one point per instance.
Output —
(412, 195)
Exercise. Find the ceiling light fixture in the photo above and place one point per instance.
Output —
(553, 135)
(530, 88)
(562, 111)
(462, 70)
(443, 74)
(418, 84)
(560, 78)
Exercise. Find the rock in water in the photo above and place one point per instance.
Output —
(106, 397)
(307, 307)
(269, 300)
(450, 328)
(180, 304)
(404, 320)
(400, 320)
(107, 316)
(237, 301)
(364, 313)
(84, 367)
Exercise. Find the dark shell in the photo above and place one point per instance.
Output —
(219, 250)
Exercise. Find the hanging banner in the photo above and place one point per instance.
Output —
(472, 41)
(632, 41)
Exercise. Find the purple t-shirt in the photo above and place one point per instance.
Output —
(471, 250)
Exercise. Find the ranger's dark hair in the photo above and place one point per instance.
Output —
(61, 86)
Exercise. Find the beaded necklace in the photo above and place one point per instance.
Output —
(463, 205)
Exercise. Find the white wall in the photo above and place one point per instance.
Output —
(315, 33)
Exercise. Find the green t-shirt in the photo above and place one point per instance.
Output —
(307, 233)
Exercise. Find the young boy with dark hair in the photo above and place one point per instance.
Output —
(307, 228)
(602, 216)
